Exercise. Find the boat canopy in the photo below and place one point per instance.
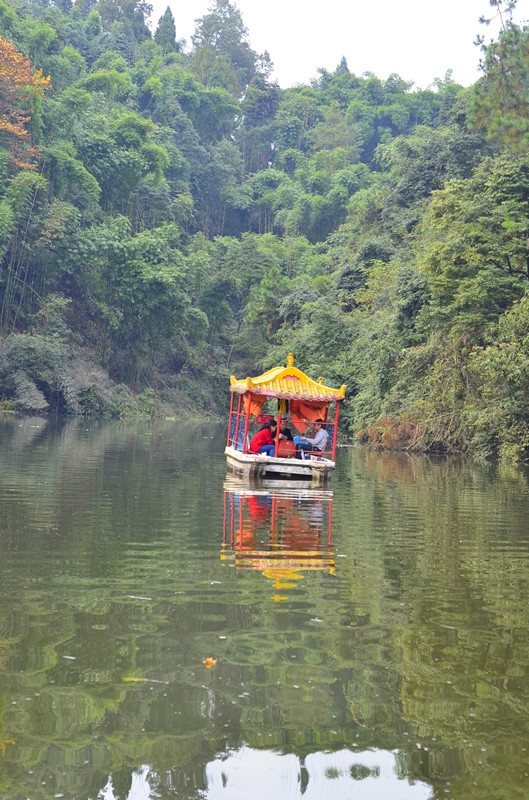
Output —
(288, 383)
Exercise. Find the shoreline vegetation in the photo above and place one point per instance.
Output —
(169, 216)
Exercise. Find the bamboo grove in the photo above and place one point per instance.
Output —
(169, 214)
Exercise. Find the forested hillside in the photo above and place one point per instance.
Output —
(169, 215)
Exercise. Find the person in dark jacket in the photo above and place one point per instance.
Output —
(284, 432)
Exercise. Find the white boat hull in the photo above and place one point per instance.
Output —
(257, 466)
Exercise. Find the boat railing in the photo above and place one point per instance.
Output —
(328, 427)
(236, 435)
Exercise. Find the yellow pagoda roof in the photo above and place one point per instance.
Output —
(289, 383)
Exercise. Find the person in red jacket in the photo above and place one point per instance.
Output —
(263, 441)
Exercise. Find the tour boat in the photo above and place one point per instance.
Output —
(303, 402)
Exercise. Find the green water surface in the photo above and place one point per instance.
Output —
(166, 632)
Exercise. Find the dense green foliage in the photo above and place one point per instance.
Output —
(188, 219)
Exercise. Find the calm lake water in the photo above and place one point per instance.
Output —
(168, 633)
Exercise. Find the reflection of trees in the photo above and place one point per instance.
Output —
(417, 645)
(75, 497)
(444, 643)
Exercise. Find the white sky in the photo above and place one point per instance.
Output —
(418, 39)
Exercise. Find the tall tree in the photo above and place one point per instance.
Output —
(165, 34)
(223, 32)
(500, 97)
(132, 14)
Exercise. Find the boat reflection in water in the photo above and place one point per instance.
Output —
(281, 532)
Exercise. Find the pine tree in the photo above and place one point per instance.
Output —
(165, 34)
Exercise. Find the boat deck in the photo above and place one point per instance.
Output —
(257, 466)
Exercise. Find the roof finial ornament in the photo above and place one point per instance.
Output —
(290, 360)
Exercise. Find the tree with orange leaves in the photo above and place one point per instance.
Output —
(20, 86)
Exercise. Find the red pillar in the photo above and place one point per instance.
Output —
(326, 419)
(330, 523)
(277, 434)
(224, 522)
(237, 423)
(241, 521)
(335, 430)
(229, 419)
(247, 423)
(232, 521)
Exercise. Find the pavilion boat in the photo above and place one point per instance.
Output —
(291, 394)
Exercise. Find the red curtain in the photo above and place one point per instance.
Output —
(257, 404)
(302, 411)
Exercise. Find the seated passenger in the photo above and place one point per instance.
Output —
(263, 441)
(315, 445)
(284, 432)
